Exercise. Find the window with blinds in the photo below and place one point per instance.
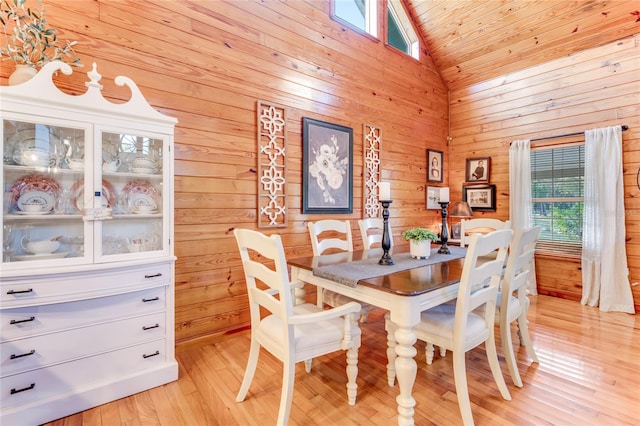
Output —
(557, 191)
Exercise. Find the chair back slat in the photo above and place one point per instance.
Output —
(343, 241)
(371, 230)
(490, 224)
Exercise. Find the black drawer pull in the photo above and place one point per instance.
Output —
(149, 328)
(154, 275)
(153, 354)
(14, 356)
(21, 321)
(20, 291)
(14, 390)
(151, 300)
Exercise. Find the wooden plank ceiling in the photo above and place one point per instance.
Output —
(471, 41)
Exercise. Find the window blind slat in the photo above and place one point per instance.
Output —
(557, 189)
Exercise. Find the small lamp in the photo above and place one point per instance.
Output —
(459, 209)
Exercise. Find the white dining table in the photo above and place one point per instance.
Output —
(405, 294)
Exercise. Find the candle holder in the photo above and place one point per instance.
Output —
(386, 239)
(444, 233)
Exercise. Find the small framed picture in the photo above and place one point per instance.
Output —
(455, 231)
(433, 198)
(481, 198)
(434, 165)
(478, 169)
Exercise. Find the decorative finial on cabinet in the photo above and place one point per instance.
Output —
(95, 76)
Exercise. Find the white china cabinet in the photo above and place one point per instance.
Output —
(87, 271)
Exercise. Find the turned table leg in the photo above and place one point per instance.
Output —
(406, 369)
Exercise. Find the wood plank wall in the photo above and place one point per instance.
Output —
(208, 63)
(593, 88)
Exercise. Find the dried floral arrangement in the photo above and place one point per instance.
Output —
(28, 39)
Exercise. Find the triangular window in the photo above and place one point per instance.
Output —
(359, 14)
(400, 32)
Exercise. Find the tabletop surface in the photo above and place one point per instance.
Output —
(410, 282)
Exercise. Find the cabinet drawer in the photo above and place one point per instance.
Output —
(77, 286)
(71, 376)
(34, 320)
(36, 352)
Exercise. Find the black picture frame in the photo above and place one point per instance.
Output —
(478, 170)
(481, 198)
(435, 166)
(455, 231)
(327, 167)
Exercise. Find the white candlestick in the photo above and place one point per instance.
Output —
(385, 191)
(444, 195)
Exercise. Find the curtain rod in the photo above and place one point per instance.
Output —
(624, 127)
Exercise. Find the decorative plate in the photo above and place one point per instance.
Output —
(141, 195)
(40, 213)
(40, 198)
(41, 256)
(77, 195)
(36, 185)
(142, 203)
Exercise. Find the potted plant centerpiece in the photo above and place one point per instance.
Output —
(420, 240)
(29, 41)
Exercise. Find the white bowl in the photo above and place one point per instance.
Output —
(144, 209)
(140, 170)
(142, 161)
(42, 247)
(110, 166)
(75, 163)
(34, 157)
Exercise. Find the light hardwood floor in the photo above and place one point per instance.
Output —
(589, 374)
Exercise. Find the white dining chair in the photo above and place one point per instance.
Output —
(514, 307)
(291, 333)
(457, 327)
(332, 235)
(371, 230)
(482, 225)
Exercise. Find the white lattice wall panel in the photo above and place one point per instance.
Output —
(372, 143)
(272, 185)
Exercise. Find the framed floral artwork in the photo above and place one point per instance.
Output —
(434, 165)
(327, 167)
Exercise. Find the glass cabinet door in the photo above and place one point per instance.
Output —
(64, 199)
(43, 173)
(132, 179)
